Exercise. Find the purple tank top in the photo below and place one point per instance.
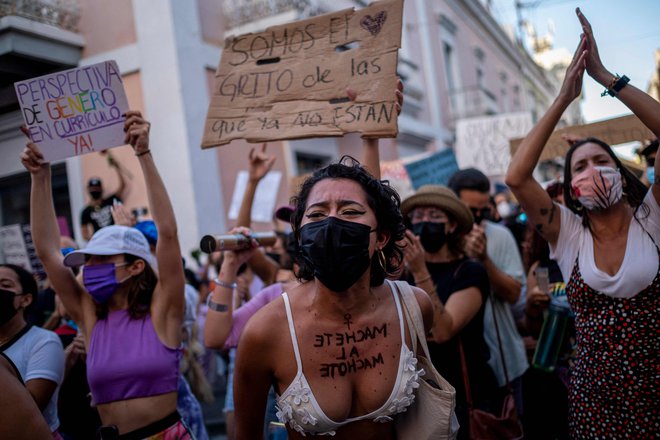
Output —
(126, 360)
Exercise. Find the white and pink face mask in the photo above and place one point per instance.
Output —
(598, 187)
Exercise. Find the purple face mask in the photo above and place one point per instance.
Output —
(100, 280)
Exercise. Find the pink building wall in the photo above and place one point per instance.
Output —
(106, 25)
(211, 21)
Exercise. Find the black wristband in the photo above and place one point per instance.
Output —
(618, 85)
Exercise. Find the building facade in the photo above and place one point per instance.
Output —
(654, 83)
(456, 62)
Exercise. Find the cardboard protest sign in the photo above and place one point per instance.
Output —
(12, 247)
(483, 142)
(435, 169)
(612, 131)
(16, 247)
(290, 81)
(75, 111)
(395, 173)
(263, 205)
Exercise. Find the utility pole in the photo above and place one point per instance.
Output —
(519, 21)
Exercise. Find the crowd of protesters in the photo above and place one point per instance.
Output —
(135, 342)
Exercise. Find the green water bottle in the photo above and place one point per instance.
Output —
(552, 337)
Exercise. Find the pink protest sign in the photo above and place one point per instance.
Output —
(75, 111)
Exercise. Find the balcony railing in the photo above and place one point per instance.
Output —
(240, 12)
(472, 102)
(63, 14)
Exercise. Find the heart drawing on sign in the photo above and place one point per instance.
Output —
(374, 24)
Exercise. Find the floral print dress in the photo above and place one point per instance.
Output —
(615, 382)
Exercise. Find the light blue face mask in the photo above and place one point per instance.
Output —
(650, 175)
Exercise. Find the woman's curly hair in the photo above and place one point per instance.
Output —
(381, 197)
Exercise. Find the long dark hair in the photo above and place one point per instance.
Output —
(635, 191)
(381, 197)
(140, 291)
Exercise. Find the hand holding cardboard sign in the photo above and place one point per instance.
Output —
(137, 132)
(32, 158)
(398, 93)
(371, 156)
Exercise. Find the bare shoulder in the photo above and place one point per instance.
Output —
(425, 305)
(268, 322)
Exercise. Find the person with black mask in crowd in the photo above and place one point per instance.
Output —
(458, 287)
(36, 353)
(496, 248)
(98, 213)
(348, 225)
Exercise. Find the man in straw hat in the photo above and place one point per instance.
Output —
(495, 246)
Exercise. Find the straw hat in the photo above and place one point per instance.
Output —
(442, 198)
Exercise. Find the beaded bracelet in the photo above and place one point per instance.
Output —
(142, 153)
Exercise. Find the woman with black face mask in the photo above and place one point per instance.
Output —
(336, 346)
(458, 287)
(36, 353)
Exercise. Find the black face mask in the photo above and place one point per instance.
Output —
(338, 250)
(432, 235)
(275, 257)
(481, 214)
(7, 309)
(96, 194)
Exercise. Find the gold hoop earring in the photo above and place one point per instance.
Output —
(381, 260)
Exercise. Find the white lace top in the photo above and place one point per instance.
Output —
(298, 407)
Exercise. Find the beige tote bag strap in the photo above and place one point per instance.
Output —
(414, 316)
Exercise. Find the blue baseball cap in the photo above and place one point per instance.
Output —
(148, 229)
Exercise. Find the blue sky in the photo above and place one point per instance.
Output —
(627, 33)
